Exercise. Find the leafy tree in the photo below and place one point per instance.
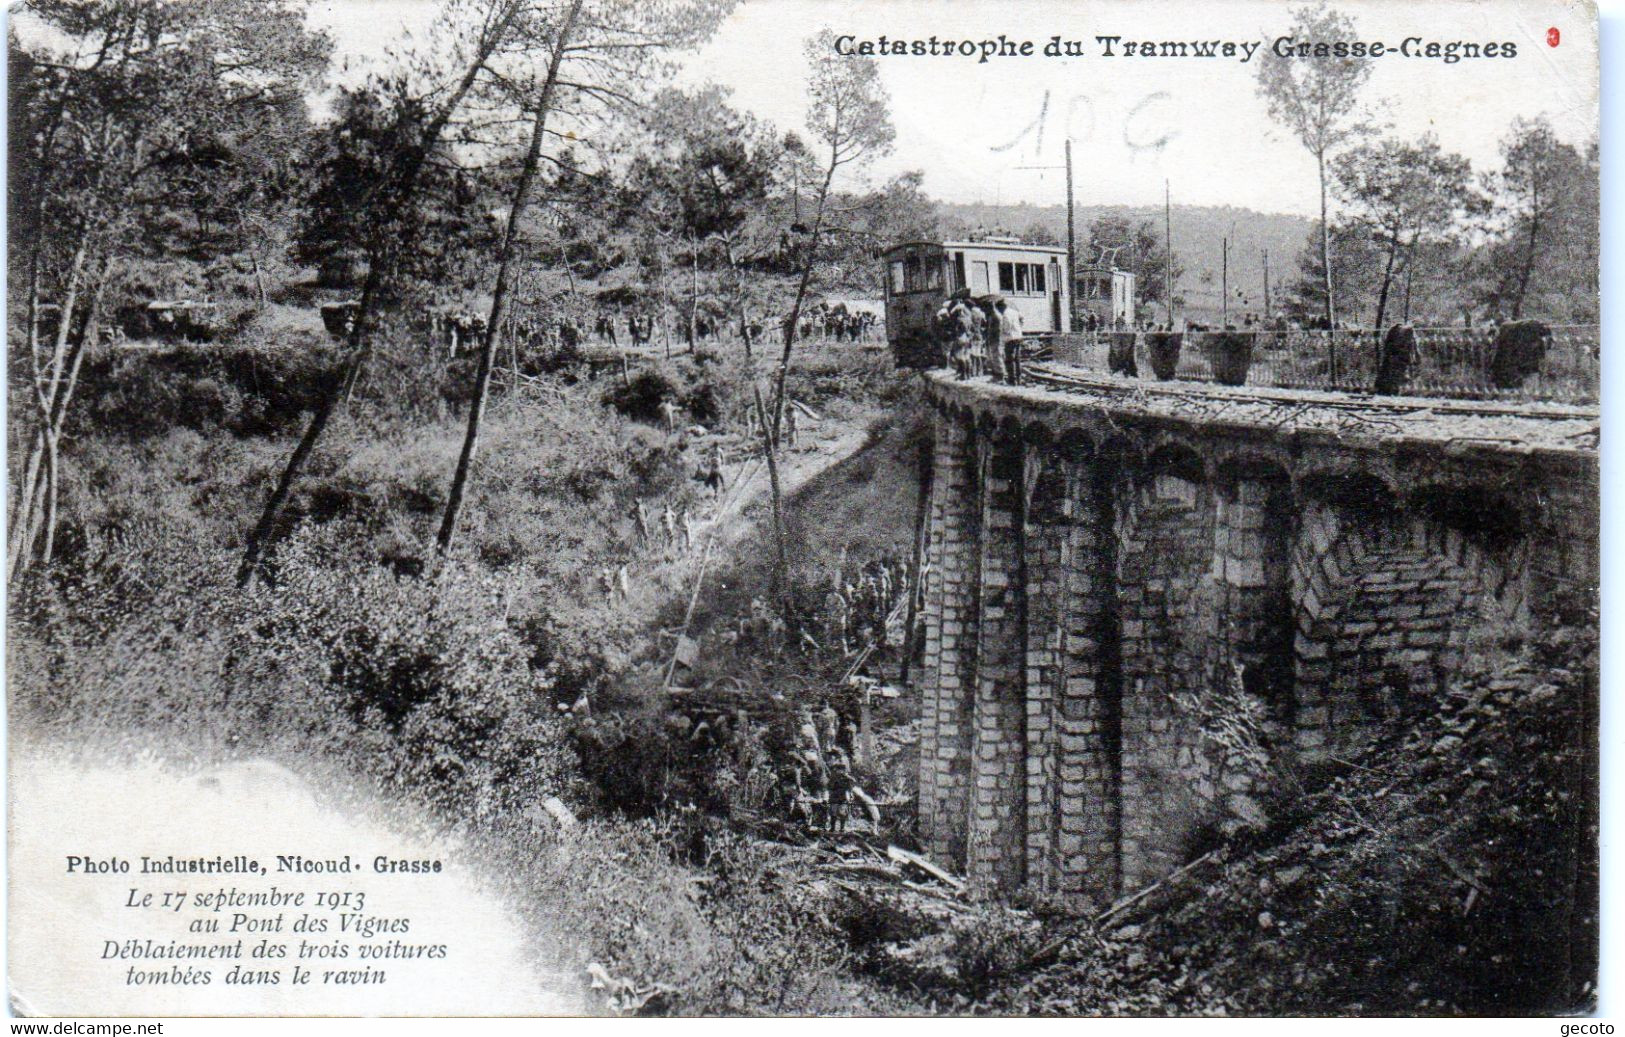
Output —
(1137, 247)
(1039, 234)
(122, 112)
(593, 52)
(419, 128)
(1357, 271)
(848, 112)
(705, 175)
(1402, 194)
(423, 236)
(1546, 243)
(1316, 99)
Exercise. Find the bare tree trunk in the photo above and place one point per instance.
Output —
(22, 507)
(1387, 281)
(693, 295)
(48, 391)
(1528, 255)
(1326, 244)
(348, 373)
(59, 413)
(781, 561)
(665, 307)
(342, 376)
(52, 459)
(499, 296)
(569, 271)
(738, 284)
(771, 427)
(800, 299)
(1410, 273)
(28, 530)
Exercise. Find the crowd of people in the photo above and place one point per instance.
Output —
(727, 759)
(981, 336)
(816, 786)
(848, 608)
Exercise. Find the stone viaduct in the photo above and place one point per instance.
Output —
(1111, 570)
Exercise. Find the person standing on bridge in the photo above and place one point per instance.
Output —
(989, 340)
(1011, 332)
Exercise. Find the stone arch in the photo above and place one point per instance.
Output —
(1349, 485)
(1165, 608)
(1176, 455)
(1074, 443)
(1387, 599)
(1255, 517)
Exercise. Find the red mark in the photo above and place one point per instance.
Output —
(1553, 37)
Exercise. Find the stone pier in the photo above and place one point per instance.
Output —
(1109, 571)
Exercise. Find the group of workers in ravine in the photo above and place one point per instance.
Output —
(842, 612)
(816, 787)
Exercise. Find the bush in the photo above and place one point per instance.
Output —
(405, 681)
(640, 397)
(246, 389)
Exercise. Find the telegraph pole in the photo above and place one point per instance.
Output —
(1267, 310)
(1071, 240)
(1224, 284)
(1072, 250)
(1168, 252)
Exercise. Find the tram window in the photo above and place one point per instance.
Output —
(896, 276)
(1007, 277)
(933, 276)
(1023, 277)
(1038, 278)
(911, 273)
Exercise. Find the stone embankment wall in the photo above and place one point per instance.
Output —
(1126, 598)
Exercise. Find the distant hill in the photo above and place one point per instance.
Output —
(1198, 232)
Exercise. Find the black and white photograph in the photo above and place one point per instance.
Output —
(803, 508)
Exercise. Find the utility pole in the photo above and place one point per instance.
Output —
(1168, 252)
(1224, 284)
(1071, 240)
(1267, 309)
(1072, 251)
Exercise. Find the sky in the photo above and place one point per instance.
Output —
(971, 127)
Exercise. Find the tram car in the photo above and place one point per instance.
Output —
(920, 275)
(1105, 298)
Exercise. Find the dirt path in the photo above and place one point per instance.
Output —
(830, 443)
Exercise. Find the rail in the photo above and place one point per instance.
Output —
(1560, 364)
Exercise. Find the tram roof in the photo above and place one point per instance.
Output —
(990, 246)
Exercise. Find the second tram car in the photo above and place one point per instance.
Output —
(1106, 298)
(921, 274)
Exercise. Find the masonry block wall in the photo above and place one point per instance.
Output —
(1090, 589)
(951, 615)
(1073, 707)
(998, 820)
(1165, 601)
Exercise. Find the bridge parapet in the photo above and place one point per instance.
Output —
(1524, 362)
(1113, 567)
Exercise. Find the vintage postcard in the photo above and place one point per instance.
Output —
(802, 508)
